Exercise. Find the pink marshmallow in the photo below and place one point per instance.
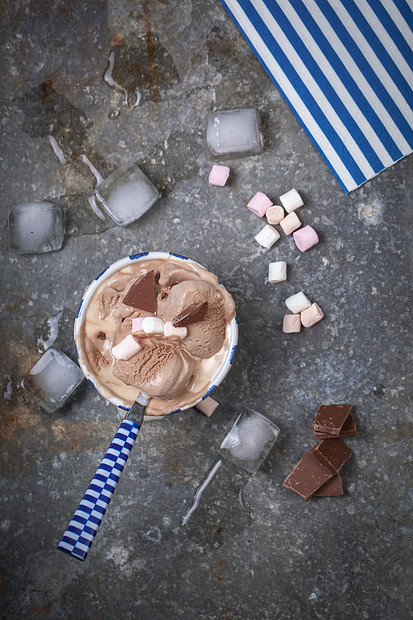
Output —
(310, 316)
(137, 325)
(259, 204)
(290, 223)
(275, 214)
(207, 406)
(219, 175)
(305, 238)
(291, 323)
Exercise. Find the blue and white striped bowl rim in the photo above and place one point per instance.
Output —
(232, 328)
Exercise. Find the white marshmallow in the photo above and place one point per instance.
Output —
(291, 200)
(267, 236)
(277, 272)
(127, 348)
(297, 303)
(152, 325)
(170, 331)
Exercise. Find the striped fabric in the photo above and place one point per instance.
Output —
(82, 529)
(345, 67)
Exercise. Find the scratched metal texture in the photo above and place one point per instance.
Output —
(253, 550)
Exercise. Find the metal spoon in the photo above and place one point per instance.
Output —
(82, 529)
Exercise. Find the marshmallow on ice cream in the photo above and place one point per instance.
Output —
(179, 316)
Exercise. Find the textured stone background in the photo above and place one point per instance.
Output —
(253, 550)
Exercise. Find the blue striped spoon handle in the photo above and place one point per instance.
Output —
(82, 529)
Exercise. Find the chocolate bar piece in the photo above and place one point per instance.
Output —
(192, 314)
(330, 418)
(334, 451)
(141, 294)
(317, 468)
(331, 488)
(308, 476)
(347, 430)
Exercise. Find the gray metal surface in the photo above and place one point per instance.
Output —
(253, 549)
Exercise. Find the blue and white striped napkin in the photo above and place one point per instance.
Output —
(345, 67)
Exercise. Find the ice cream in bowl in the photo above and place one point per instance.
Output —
(159, 323)
(155, 334)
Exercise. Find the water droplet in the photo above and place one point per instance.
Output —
(134, 99)
(114, 114)
(378, 390)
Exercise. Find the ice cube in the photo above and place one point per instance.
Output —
(53, 379)
(249, 440)
(234, 133)
(35, 227)
(126, 195)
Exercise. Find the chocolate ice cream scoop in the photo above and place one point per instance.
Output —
(206, 337)
(158, 368)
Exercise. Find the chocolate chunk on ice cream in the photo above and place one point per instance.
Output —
(193, 314)
(204, 337)
(142, 294)
(174, 370)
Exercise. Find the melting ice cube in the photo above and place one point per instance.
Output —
(249, 440)
(126, 195)
(234, 132)
(53, 379)
(35, 227)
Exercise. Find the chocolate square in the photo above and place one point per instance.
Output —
(322, 458)
(334, 451)
(348, 429)
(142, 294)
(331, 418)
(331, 488)
(308, 476)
